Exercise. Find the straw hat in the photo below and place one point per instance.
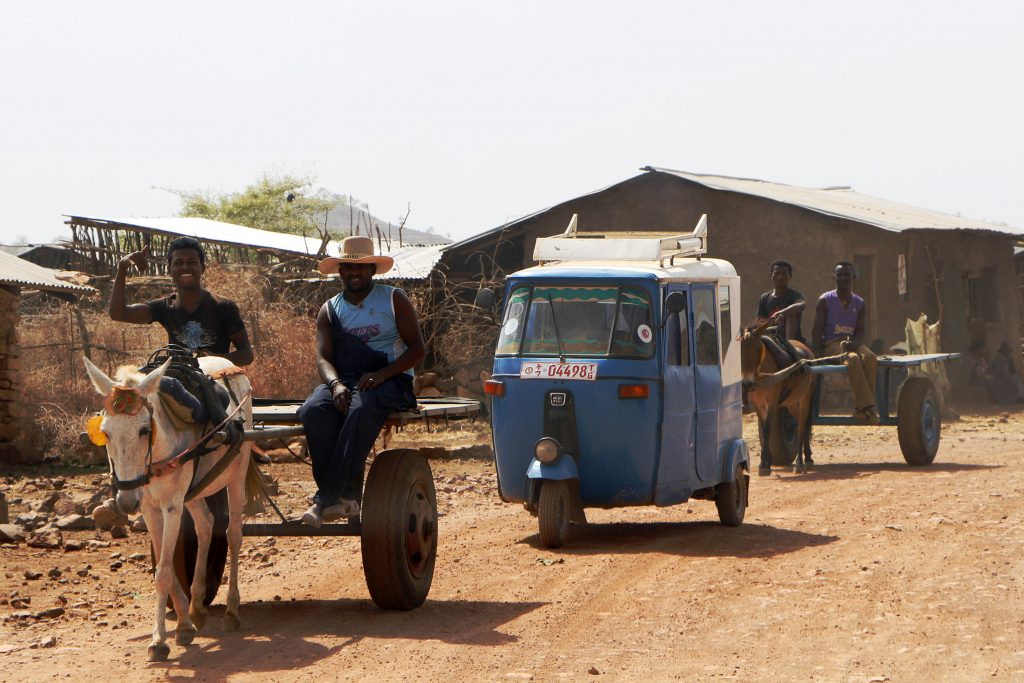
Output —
(356, 249)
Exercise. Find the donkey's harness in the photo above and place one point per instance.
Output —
(183, 367)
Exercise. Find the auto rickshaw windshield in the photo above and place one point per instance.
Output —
(581, 321)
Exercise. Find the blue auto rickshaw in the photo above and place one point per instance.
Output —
(616, 379)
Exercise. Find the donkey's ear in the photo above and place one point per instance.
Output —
(103, 384)
(151, 382)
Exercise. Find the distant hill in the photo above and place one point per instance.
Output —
(342, 218)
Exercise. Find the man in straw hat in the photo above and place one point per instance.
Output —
(368, 341)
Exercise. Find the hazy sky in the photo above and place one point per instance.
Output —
(478, 112)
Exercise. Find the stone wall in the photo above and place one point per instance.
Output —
(10, 376)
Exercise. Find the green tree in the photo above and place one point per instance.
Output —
(282, 203)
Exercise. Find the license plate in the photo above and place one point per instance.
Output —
(585, 371)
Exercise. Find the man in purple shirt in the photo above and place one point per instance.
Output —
(839, 329)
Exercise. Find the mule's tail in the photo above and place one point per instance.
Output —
(257, 489)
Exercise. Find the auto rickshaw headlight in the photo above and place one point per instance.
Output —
(547, 450)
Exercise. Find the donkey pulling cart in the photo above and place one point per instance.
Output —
(917, 416)
(398, 525)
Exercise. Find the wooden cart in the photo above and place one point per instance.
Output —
(917, 416)
(398, 524)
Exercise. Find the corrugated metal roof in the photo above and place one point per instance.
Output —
(410, 262)
(413, 263)
(20, 273)
(216, 231)
(842, 202)
(845, 203)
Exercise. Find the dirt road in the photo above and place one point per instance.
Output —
(863, 570)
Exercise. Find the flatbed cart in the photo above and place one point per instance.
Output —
(398, 525)
(917, 417)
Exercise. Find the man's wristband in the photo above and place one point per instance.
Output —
(333, 383)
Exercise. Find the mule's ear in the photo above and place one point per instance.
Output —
(151, 382)
(103, 384)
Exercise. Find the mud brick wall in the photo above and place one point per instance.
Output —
(10, 376)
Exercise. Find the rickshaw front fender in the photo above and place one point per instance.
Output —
(562, 468)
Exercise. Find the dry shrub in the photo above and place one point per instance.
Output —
(457, 333)
(58, 394)
(59, 397)
(284, 343)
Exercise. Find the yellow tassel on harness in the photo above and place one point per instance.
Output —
(92, 428)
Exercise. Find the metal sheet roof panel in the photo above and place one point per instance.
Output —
(843, 202)
(18, 272)
(217, 231)
(410, 262)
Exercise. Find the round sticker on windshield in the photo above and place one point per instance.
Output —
(645, 334)
(511, 326)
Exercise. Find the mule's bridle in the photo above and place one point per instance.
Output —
(120, 485)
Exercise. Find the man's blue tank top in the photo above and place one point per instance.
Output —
(841, 321)
(372, 320)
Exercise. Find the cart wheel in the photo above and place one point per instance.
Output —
(188, 545)
(784, 437)
(553, 513)
(731, 498)
(399, 529)
(918, 421)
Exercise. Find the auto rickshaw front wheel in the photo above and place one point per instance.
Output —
(553, 512)
(731, 497)
(399, 529)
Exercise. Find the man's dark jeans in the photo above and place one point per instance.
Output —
(339, 444)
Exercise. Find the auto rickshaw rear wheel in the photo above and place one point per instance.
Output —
(731, 497)
(553, 513)
(399, 529)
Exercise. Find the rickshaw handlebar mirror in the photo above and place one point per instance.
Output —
(484, 298)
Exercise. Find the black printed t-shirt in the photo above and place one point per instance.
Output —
(209, 327)
(770, 304)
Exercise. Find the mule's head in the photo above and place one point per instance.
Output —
(751, 351)
(127, 426)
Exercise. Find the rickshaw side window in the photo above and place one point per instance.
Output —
(724, 319)
(678, 339)
(512, 325)
(704, 321)
(672, 339)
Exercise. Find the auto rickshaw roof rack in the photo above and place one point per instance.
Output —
(577, 245)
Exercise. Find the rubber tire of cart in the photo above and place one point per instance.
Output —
(731, 497)
(399, 529)
(188, 545)
(918, 421)
(784, 444)
(554, 511)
